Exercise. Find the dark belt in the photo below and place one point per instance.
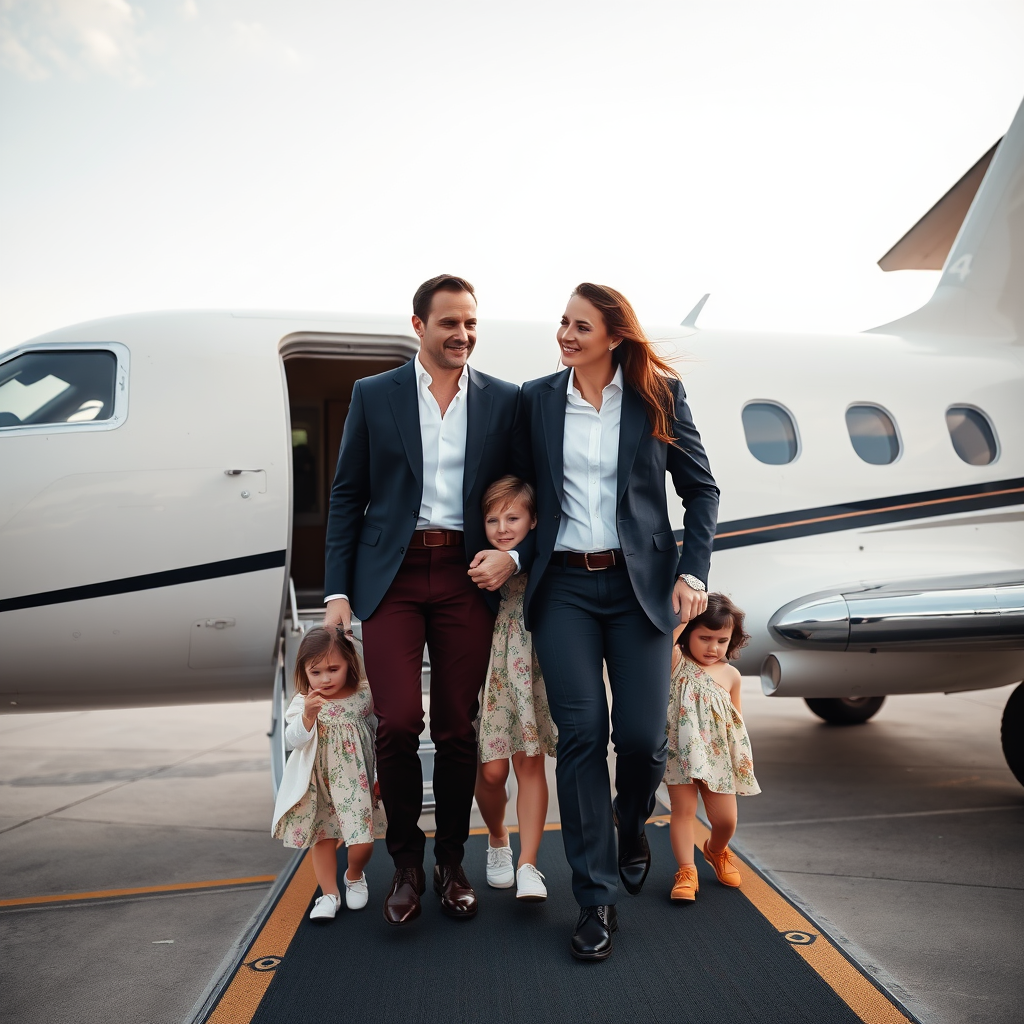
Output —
(592, 560)
(436, 539)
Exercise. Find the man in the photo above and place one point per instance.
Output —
(405, 552)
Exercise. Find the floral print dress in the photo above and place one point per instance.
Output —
(340, 802)
(514, 712)
(707, 739)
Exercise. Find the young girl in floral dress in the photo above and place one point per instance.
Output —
(708, 747)
(327, 792)
(515, 723)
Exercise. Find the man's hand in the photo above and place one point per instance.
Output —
(491, 568)
(339, 613)
(688, 603)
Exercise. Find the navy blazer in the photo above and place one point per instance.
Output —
(375, 500)
(648, 543)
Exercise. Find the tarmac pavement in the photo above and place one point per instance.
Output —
(902, 837)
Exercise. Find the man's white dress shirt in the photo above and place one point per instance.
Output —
(590, 461)
(444, 454)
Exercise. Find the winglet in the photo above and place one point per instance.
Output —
(979, 294)
(690, 320)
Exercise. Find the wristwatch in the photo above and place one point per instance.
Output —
(692, 582)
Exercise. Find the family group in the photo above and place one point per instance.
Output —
(522, 535)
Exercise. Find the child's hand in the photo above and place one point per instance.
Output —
(311, 707)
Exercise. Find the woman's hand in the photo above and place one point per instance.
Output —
(311, 708)
(688, 603)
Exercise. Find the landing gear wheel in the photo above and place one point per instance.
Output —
(1012, 733)
(848, 710)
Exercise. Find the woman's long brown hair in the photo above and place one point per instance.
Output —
(644, 370)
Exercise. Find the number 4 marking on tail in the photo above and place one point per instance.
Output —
(961, 267)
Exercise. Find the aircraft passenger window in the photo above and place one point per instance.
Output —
(770, 433)
(873, 434)
(972, 435)
(74, 386)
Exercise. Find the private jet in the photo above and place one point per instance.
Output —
(166, 483)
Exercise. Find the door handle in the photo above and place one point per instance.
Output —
(239, 472)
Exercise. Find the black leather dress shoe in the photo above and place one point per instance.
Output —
(592, 939)
(634, 862)
(402, 903)
(458, 899)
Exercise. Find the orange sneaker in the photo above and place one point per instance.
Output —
(724, 865)
(684, 888)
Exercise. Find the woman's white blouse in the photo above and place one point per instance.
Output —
(590, 460)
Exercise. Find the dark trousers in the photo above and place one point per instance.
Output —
(580, 620)
(431, 601)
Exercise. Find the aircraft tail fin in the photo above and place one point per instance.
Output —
(981, 291)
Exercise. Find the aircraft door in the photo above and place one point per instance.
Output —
(143, 521)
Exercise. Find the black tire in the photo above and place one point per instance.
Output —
(1012, 733)
(844, 710)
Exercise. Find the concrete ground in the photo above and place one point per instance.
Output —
(112, 800)
(903, 837)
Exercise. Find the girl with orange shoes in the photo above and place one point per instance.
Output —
(708, 746)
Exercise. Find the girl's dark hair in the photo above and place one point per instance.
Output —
(720, 611)
(643, 369)
(316, 645)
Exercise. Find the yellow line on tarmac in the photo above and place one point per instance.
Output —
(866, 1001)
(99, 894)
(249, 985)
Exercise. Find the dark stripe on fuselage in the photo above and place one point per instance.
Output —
(150, 581)
(736, 533)
(854, 515)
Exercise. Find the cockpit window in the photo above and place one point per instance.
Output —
(57, 386)
(873, 434)
(972, 435)
(770, 433)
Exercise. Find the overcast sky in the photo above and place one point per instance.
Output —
(331, 155)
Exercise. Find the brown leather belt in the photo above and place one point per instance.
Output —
(436, 539)
(592, 560)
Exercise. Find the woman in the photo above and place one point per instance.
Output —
(608, 583)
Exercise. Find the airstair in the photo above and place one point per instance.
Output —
(297, 621)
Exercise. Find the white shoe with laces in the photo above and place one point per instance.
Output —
(356, 893)
(325, 907)
(530, 884)
(500, 873)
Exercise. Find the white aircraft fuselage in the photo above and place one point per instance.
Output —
(147, 550)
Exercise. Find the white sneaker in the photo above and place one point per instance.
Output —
(530, 884)
(500, 873)
(356, 893)
(325, 907)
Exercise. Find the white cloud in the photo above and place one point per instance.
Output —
(189, 10)
(257, 41)
(76, 37)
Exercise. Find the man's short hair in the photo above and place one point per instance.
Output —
(442, 283)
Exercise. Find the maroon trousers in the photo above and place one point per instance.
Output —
(433, 601)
